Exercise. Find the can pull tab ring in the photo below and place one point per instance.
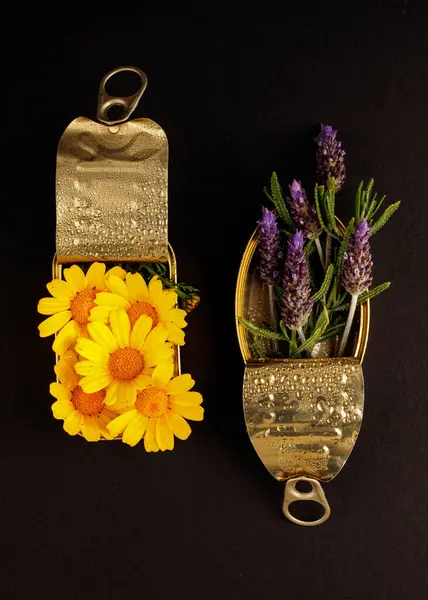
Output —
(315, 493)
(128, 103)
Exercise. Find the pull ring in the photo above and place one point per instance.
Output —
(315, 494)
(129, 103)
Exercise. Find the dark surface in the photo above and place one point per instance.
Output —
(239, 93)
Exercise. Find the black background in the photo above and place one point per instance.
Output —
(239, 93)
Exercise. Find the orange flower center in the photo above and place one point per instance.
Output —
(142, 308)
(82, 304)
(126, 364)
(89, 405)
(152, 402)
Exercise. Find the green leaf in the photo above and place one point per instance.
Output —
(318, 196)
(320, 327)
(343, 246)
(257, 348)
(378, 205)
(278, 201)
(384, 218)
(358, 201)
(373, 293)
(331, 331)
(309, 248)
(261, 331)
(325, 285)
(284, 330)
(339, 307)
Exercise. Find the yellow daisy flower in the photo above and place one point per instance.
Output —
(81, 412)
(138, 298)
(160, 411)
(71, 302)
(120, 359)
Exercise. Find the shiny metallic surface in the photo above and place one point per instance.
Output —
(128, 103)
(304, 416)
(316, 494)
(112, 192)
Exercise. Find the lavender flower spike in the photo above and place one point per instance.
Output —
(330, 157)
(304, 213)
(357, 273)
(296, 302)
(269, 252)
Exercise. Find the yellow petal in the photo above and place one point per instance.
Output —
(95, 383)
(188, 399)
(118, 271)
(87, 367)
(53, 324)
(168, 301)
(121, 327)
(143, 381)
(140, 331)
(92, 351)
(120, 423)
(66, 338)
(75, 278)
(100, 313)
(137, 287)
(60, 289)
(180, 384)
(73, 423)
(59, 391)
(66, 374)
(175, 334)
(193, 413)
(52, 306)
(178, 425)
(61, 409)
(150, 443)
(126, 394)
(70, 357)
(102, 335)
(111, 394)
(90, 430)
(113, 300)
(118, 287)
(95, 276)
(155, 290)
(164, 435)
(102, 421)
(156, 356)
(177, 316)
(157, 337)
(135, 430)
(163, 373)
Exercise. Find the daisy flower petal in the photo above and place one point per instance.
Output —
(140, 332)
(135, 431)
(188, 399)
(110, 299)
(150, 443)
(164, 435)
(87, 367)
(163, 373)
(59, 391)
(51, 306)
(60, 289)
(121, 327)
(95, 276)
(177, 316)
(155, 290)
(75, 278)
(66, 337)
(179, 427)
(100, 313)
(120, 423)
(117, 271)
(118, 287)
(137, 287)
(61, 409)
(90, 429)
(54, 323)
(111, 393)
(126, 394)
(102, 335)
(95, 383)
(73, 423)
(66, 374)
(175, 334)
(91, 350)
(180, 384)
(193, 413)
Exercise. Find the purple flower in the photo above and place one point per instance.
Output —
(303, 212)
(357, 273)
(269, 252)
(330, 157)
(296, 301)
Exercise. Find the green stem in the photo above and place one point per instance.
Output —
(272, 314)
(351, 314)
(320, 252)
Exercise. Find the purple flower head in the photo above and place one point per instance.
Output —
(304, 213)
(357, 273)
(330, 157)
(269, 251)
(296, 301)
